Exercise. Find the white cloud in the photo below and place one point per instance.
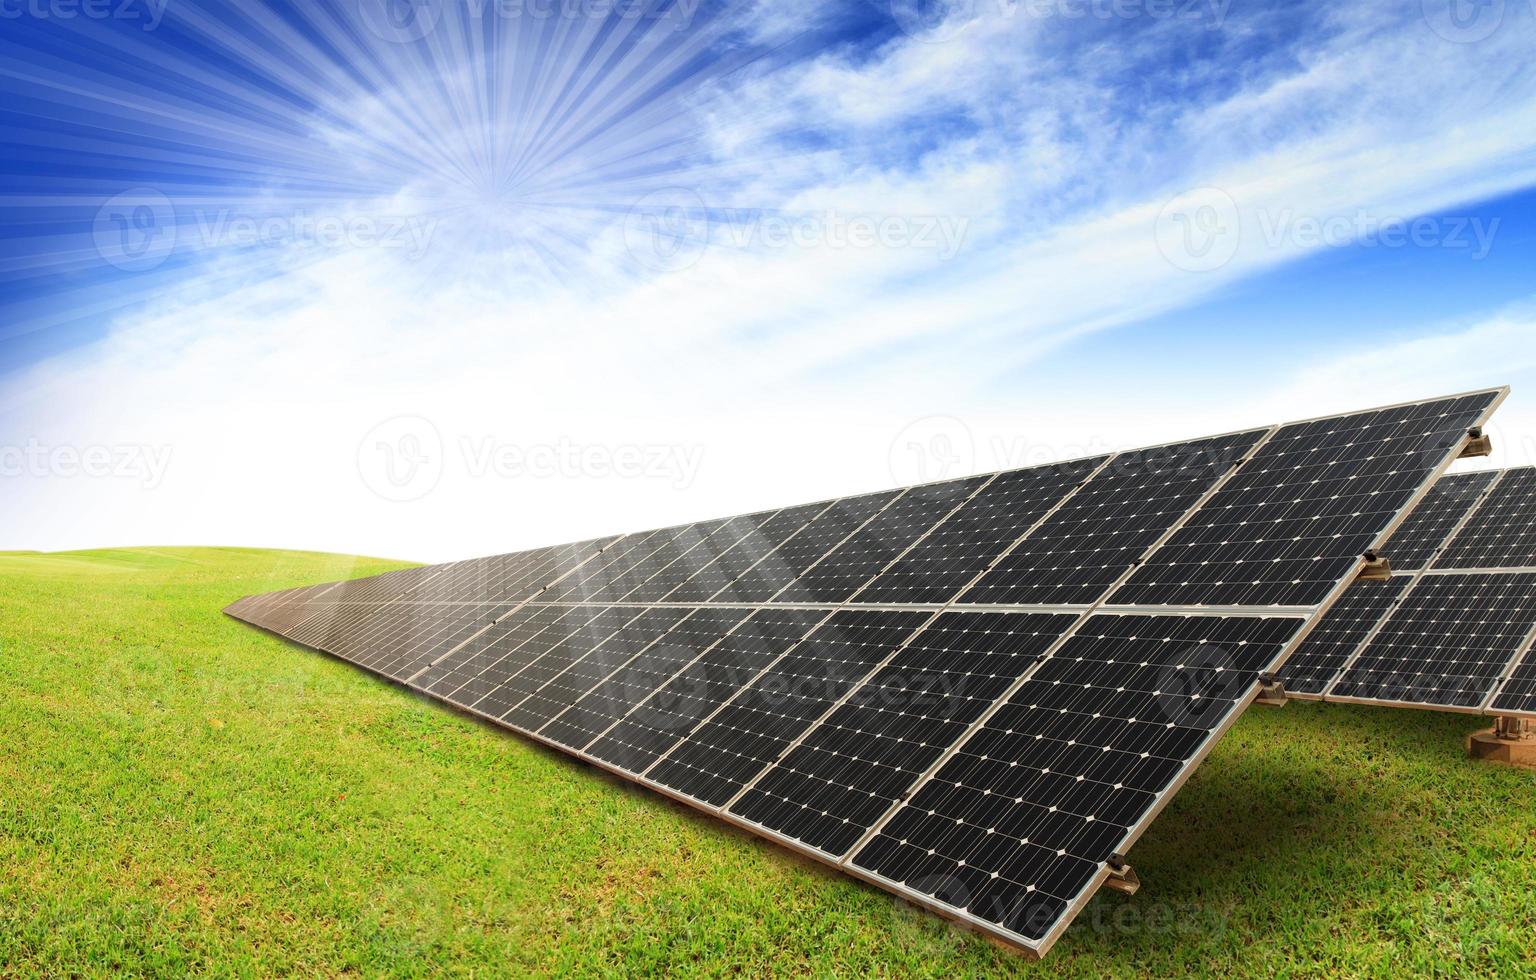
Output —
(792, 369)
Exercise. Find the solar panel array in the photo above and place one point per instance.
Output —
(975, 693)
(1454, 628)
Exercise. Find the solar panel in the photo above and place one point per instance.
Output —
(868, 753)
(725, 754)
(1322, 655)
(714, 580)
(1503, 531)
(1447, 644)
(1018, 826)
(1088, 544)
(809, 674)
(1451, 635)
(1293, 521)
(966, 544)
(1517, 696)
(1437, 518)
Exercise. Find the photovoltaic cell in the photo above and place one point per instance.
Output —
(1293, 522)
(509, 673)
(789, 561)
(746, 736)
(866, 553)
(1447, 644)
(671, 714)
(709, 547)
(607, 703)
(939, 566)
(1325, 651)
(618, 558)
(1102, 530)
(1426, 530)
(588, 666)
(674, 543)
(712, 581)
(502, 649)
(854, 766)
(1518, 695)
(1502, 532)
(1017, 826)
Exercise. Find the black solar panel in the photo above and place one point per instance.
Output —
(1518, 695)
(638, 678)
(1016, 828)
(1502, 532)
(780, 567)
(1294, 521)
(1447, 644)
(713, 580)
(750, 733)
(708, 548)
(865, 554)
(672, 712)
(582, 663)
(939, 566)
(1098, 535)
(1433, 521)
(863, 758)
(1325, 651)
(807, 672)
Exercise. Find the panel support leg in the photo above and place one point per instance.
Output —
(1479, 444)
(1510, 740)
(1122, 877)
(1271, 692)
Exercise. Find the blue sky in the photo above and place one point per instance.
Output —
(434, 279)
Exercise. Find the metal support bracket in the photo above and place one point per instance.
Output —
(1514, 729)
(1271, 692)
(1479, 444)
(1377, 569)
(1122, 878)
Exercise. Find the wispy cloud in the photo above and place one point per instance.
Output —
(651, 237)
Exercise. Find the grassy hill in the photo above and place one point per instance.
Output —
(179, 792)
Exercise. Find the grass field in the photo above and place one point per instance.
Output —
(183, 793)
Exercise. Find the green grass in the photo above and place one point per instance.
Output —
(182, 793)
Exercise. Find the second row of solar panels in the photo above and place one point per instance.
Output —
(1455, 628)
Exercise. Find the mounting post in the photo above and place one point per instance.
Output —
(1377, 569)
(1510, 740)
(1479, 444)
(1121, 876)
(1271, 692)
